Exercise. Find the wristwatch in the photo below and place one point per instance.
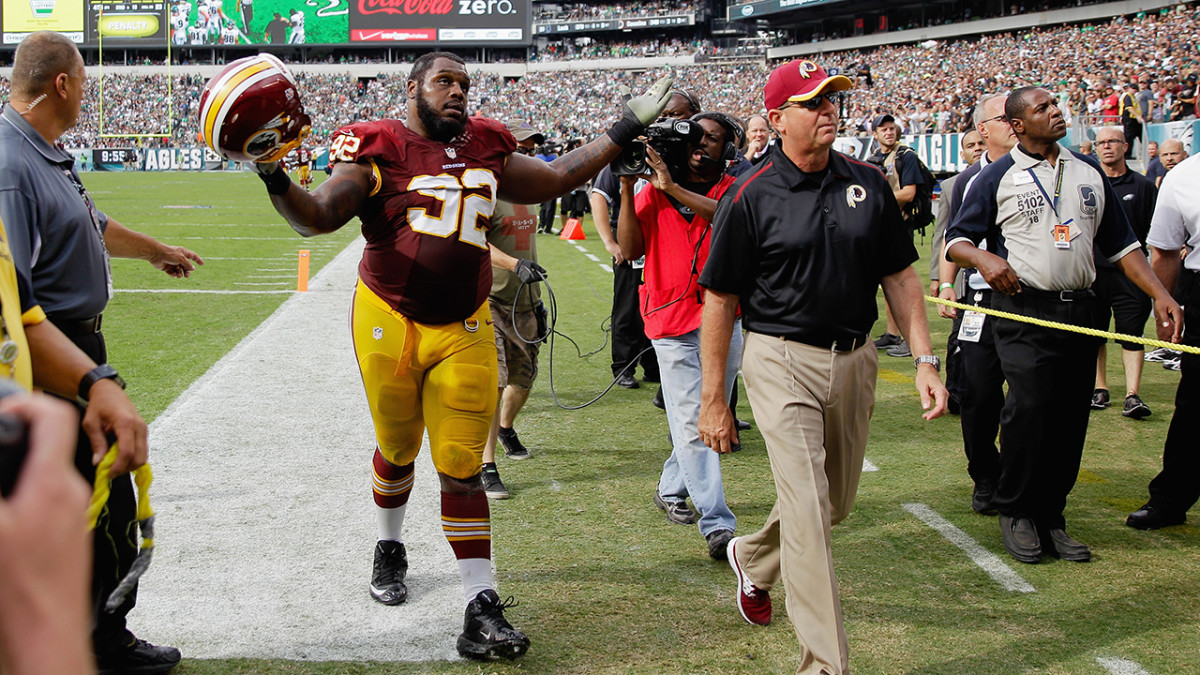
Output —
(930, 359)
(100, 372)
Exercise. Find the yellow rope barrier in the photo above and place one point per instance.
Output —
(1066, 326)
(101, 489)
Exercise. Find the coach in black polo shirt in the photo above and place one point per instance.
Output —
(803, 242)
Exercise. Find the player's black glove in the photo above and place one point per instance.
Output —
(530, 272)
(273, 175)
(641, 111)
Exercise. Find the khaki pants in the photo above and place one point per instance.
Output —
(814, 409)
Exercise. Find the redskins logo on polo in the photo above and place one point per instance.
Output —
(855, 194)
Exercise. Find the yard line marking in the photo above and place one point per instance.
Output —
(257, 283)
(240, 238)
(592, 257)
(275, 258)
(185, 290)
(987, 561)
(1121, 666)
(606, 268)
(270, 276)
(276, 269)
(868, 466)
(580, 248)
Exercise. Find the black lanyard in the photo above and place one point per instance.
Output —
(1057, 187)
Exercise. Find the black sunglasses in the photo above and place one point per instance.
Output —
(816, 102)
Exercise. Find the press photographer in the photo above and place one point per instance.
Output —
(669, 221)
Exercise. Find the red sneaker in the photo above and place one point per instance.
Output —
(753, 602)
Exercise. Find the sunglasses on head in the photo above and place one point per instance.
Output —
(815, 102)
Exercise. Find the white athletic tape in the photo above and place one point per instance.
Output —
(985, 559)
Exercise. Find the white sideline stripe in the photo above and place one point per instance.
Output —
(1118, 666)
(606, 268)
(868, 466)
(274, 259)
(183, 291)
(271, 276)
(257, 283)
(592, 257)
(987, 561)
(243, 239)
(276, 269)
(224, 564)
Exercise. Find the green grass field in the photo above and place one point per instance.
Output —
(606, 584)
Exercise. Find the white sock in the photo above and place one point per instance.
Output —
(390, 522)
(476, 576)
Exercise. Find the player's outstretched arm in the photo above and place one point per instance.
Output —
(323, 210)
(528, 180)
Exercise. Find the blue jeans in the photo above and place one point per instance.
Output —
(693, 469)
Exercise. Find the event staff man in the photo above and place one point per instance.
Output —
(1170, 152)
(1176, 224)
(62, 243)
(1118, 295)
(785, 238)
(902, 169)
(425, 189)
(669, 223)
(982, 389)
(1050, 206)
(517, 316)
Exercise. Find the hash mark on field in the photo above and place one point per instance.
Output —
(580, 248)
(592, 257)
(256, 283)
(275, 258)
(1121, 666)
(868, 466)
(987, 561)
(606, 268)
(271, 276)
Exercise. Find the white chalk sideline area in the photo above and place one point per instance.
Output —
(266, 527)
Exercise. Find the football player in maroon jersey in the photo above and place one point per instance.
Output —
(425, 189)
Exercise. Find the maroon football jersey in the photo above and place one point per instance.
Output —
(428, 213)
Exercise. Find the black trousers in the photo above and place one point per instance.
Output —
(1177, 487)
(1043, 424)
(982, 397)
(1133, 131)
(546, 215)
(115, 538)
(628, 332)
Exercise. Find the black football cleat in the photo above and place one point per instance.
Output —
(487, 635)
(138, 658)
(387, 574)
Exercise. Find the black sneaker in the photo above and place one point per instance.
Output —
(899, 349)
(1135, 407)
(138, 658)
(513, 448)
(676, 509)
(1100, 399)
(887, 340)
(387, 574)
(493, 487)
(487, 635)
(627, 381)
(718, 542)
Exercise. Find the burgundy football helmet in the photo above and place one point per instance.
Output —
(251, 111)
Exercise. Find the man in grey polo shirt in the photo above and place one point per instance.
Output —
(1041, 209)
(62, 242)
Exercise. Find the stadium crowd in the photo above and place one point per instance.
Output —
(931, 87)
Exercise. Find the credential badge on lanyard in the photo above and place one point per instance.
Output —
(91, 207)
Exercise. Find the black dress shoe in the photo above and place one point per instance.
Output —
(1067, 548)
(141, 657)
(658, 400)
(627, 381)
(742, 425)
(1021, 539)
(981, 499)
(1150, 517)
